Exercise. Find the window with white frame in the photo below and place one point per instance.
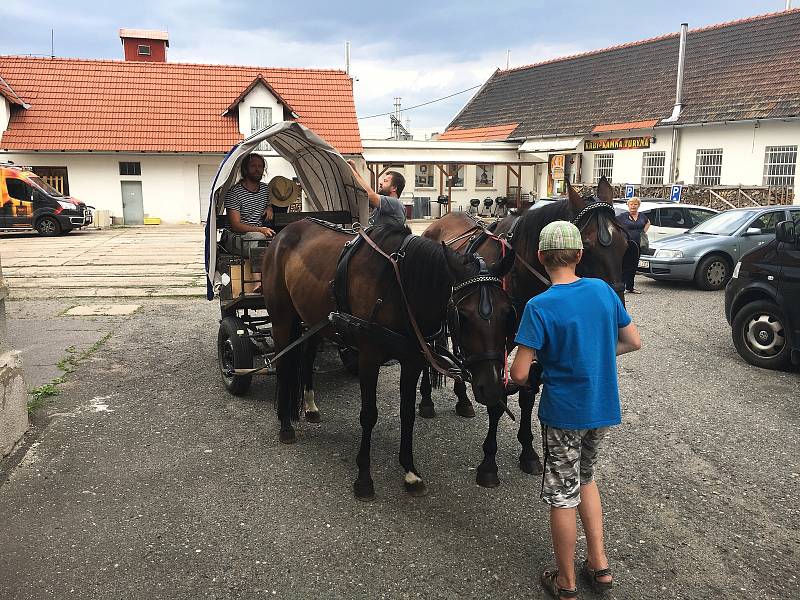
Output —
(423, 176)
(780, 163)
(603, 166)
(260, 118)
(653, 168)
(484, 176)
(708, 166)
(457, 174)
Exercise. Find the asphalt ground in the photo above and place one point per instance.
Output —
(143, 478)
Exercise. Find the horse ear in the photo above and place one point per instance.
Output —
(576, 202)
(604, 191)
(503, 266)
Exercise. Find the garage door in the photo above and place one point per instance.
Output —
(205, 177)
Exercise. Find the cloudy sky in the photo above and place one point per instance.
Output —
(419, 51)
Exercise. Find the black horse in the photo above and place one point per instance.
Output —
(606, 250)
(382, 306)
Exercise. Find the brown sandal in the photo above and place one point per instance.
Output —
(550, 583)
(591, 576)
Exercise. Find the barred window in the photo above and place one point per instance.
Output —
(708, 166)
(653, 168)
(780, 163)
(603, 165)
(130, 168)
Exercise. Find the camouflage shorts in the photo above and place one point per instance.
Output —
(569, 459)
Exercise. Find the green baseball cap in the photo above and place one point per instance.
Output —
(560, 235)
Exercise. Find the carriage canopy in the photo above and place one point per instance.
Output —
(324, 174)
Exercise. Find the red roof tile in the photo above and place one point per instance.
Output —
(479, 134)
(624, 126)
(126, 106)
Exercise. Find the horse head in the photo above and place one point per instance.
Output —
(480, 317)
(605, 243)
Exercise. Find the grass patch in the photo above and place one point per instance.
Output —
(67, 365)
(40, 394)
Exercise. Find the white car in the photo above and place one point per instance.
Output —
(669, 218)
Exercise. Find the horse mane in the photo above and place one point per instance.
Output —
(423, 269)
(533, 221)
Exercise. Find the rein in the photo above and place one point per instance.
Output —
(453, 371)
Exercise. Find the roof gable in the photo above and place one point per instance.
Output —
(746, 69)
(104, 105)
(259, 80)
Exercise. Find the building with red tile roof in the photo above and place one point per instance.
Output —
(63, 114)
(737, 122)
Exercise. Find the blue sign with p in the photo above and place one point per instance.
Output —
(629, 190)
(675, 194)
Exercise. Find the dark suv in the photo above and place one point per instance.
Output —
(762, 300)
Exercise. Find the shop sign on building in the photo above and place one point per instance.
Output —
(632, 143)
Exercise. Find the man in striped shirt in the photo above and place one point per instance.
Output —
(247, 205)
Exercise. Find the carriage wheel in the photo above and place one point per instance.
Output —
(234, 352)
(349, 360)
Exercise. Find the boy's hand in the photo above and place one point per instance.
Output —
(535, 376)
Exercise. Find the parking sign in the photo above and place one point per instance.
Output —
(675, 195)
(629, 191)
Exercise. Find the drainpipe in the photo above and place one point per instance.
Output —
(676, 110)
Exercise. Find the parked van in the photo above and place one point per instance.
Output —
(29, 202)
(762, 300)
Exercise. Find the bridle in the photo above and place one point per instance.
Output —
(479, 284)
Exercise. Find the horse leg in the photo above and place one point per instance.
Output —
(363, 487)
(487, 470)
(463, 405)
(529, 461)
(409, 375)
(310, 353)
(288, 378)
(426, 410)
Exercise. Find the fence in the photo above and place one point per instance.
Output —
(721, 197)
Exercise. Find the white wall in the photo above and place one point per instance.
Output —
(743, 147)
(5, 114)
(462, 195)
(170, 184)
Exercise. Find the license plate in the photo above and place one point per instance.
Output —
(644, 264)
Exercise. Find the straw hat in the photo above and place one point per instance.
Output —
(283, 191)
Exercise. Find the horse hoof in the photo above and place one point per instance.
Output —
(426, 411)
(465, 410)
(531, 467)
(364, 490)
(313, 416)
(487, 479)
(416, 489)
(287, 436)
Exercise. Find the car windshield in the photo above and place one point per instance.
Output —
(42, 184)
(725, 223)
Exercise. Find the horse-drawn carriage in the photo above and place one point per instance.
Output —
(385, 294)
(244, 341)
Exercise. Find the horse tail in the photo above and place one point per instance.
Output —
(289, 375)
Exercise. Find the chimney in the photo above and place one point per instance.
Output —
(144, 45)
(676, 110)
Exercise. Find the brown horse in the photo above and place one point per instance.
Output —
(606, 248)
(299, 266)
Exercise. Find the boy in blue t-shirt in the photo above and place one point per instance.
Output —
(575, 330)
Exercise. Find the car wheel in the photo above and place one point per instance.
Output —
(48, 226)
(760, 337)
(713, 272)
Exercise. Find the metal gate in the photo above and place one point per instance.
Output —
(422, 207)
